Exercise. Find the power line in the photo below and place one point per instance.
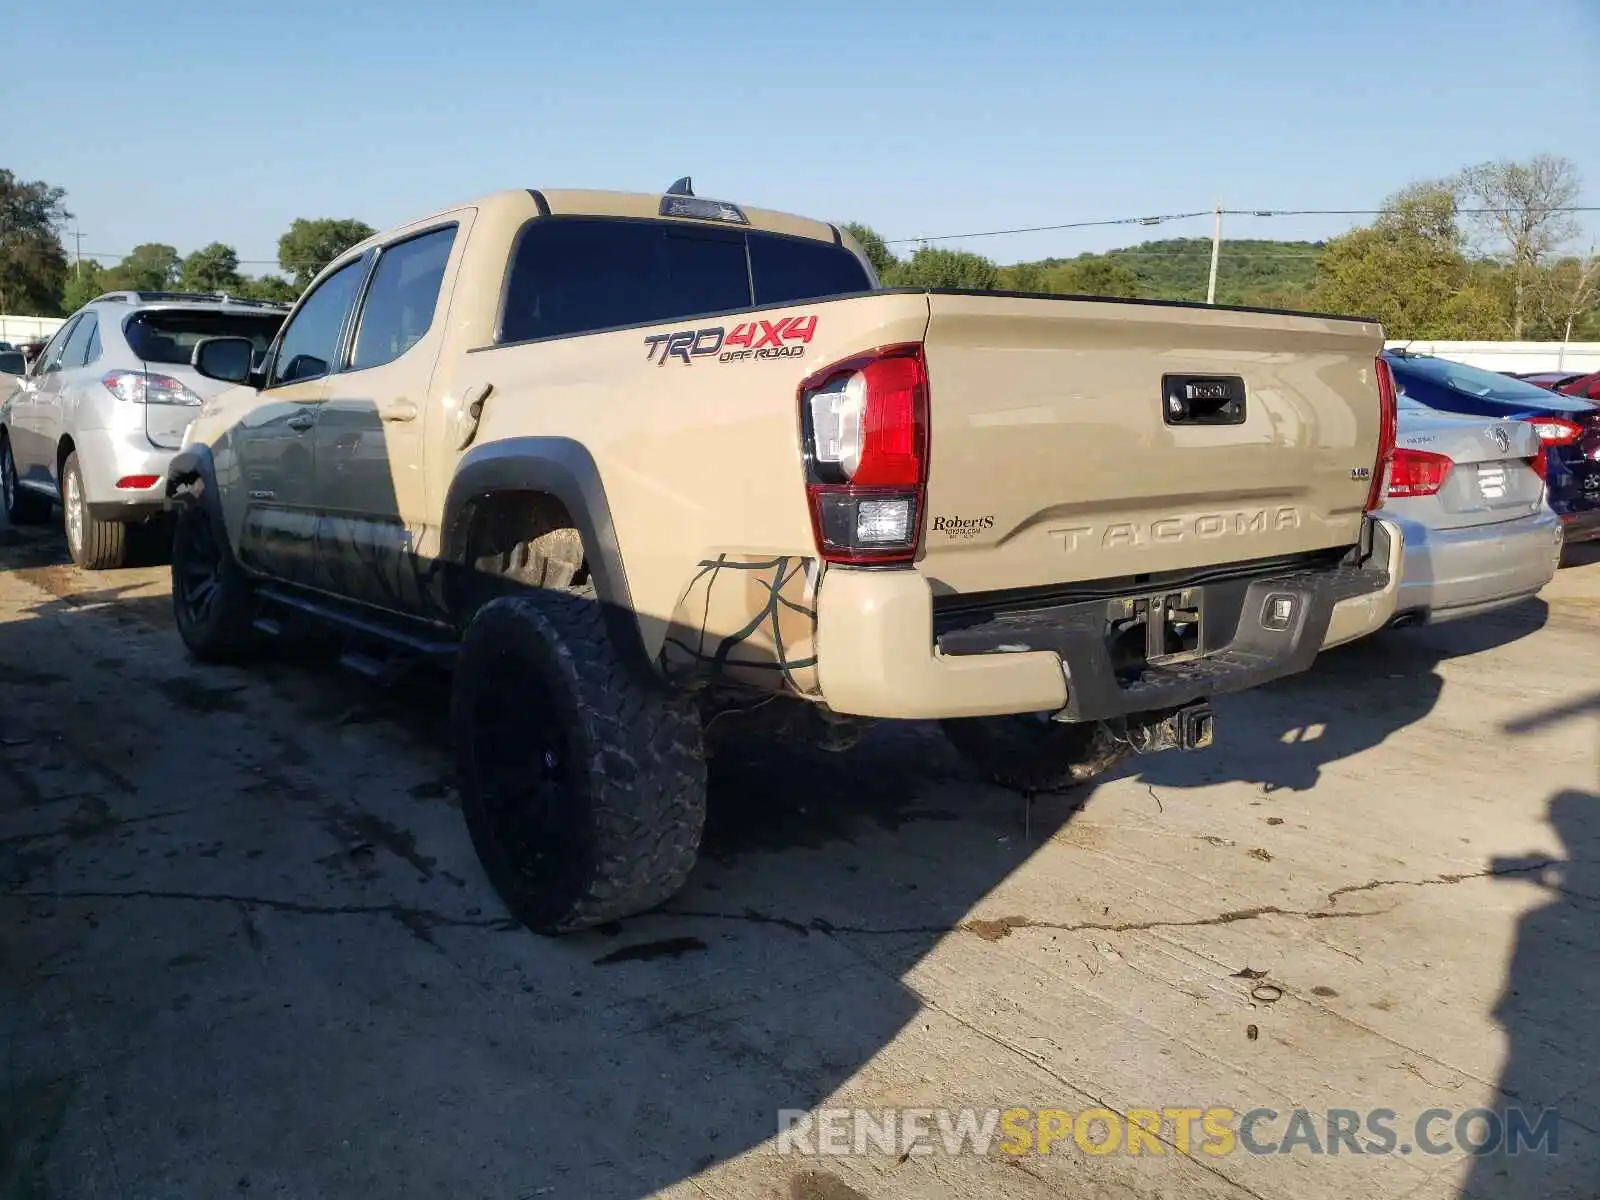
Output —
(1227, 212)
(1104, 223)
(947, 237)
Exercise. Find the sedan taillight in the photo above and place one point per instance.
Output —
(1418, 473)
(1555, 431)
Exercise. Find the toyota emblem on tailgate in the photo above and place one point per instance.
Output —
(1501, 440)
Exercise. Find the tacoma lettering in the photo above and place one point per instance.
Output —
(1169, 530)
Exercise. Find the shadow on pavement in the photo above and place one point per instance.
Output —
(1552, 1062)
(1352, 699)
(246, 954)
(255, 955)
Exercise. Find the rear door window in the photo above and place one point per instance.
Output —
(76, 352)
(400, 301)
(50, 356)
(583, 274)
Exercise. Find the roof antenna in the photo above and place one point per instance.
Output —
(684, 187)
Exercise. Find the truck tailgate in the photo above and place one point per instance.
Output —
(1055, 457)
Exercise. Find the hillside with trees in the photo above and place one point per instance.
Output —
(1491, 252)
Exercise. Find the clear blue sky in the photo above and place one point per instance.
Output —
(166, 121)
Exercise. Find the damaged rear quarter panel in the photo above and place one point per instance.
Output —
(701, 464)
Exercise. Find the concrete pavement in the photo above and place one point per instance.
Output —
(246, 949)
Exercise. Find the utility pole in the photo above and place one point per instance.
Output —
(1216, 250)
(77, 238)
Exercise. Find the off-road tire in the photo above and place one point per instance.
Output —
(1031, 754)
(212, 603)
(23, 507)
(583, 787)
(94, 545)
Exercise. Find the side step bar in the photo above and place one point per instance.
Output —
(377, 650)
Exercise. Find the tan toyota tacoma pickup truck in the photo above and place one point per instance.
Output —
(629, 461)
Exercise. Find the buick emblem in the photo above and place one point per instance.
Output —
(1501, 440)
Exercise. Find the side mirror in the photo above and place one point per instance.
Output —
(224, 358)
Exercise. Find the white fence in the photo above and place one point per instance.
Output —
(1513, 356)
(17, 330)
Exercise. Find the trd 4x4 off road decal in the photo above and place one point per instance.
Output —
(784, 338)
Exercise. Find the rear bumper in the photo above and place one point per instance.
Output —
(106, 456)
(1463, 572)
(1581, 526)
(881, 652)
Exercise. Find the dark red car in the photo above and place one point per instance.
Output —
(1586, 386)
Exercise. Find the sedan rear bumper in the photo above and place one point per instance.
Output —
(1581, 526)
(1456, 573)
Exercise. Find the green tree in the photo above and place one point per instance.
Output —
(85, 281)
(873, 245)
(1524, 213)
(213, 268)
(936, 268)
(1093, 277)
(1409, 270)
(151, 267)
(269, 287)
(33, 264)
(310, 245)
(1024, 277)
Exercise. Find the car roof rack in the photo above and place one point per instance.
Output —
(132, 297)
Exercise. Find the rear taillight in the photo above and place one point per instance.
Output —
(864, 430)
(1388, 419)
(1555, 431)
(1418, 473)
(145, 387)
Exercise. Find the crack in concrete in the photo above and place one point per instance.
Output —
(1528, 868)
(415, 921)
(992, 929)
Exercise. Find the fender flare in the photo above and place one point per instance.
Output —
(192, 478)
(564, 469)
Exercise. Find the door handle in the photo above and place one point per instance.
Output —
(398, 410)
(301, 422)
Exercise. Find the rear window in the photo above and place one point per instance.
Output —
(168, 335)
(582, 274)
(12, 362)
(1486, 385)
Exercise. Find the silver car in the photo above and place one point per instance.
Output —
(1479, 532)
(101, 411)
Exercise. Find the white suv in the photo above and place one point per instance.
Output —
(104, 407)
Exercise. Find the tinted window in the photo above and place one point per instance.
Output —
(78, 344)
(400, 302)
(311, 341)
(573, 276)
(787, 269)
(92, 354)
(12, 362)
(168, 335)
(50, 356)
(1484, 385)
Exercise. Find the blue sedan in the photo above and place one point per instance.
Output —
(1568, 427)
